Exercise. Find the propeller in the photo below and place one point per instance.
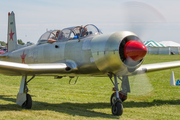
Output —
(140, 84)
(139, 16)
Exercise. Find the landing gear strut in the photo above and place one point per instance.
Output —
(23, 98)
(119, 96)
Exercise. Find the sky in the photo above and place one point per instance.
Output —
(157, 20)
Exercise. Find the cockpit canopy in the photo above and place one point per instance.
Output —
(71, 33)
(47, 35)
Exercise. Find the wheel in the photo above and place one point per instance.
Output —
(28, 103)
(113, 98)
(121, 96)
(117, 109)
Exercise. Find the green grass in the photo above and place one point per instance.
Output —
(152, 97)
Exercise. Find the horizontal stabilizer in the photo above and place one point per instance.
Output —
(3, 55)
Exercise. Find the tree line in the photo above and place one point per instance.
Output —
(20, 42)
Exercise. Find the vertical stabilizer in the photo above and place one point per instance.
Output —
(11, 35)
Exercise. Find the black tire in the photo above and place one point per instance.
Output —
(113, 99)
(117, 109)
(28, 103)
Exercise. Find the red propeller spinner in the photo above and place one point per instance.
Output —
(135, 50)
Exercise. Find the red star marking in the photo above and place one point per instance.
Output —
(23, 57)
(11, 35)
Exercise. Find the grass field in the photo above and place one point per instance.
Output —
(152, 97)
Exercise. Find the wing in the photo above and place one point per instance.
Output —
(12, 68)
(157, 67)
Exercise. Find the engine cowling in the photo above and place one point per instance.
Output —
(119, 53)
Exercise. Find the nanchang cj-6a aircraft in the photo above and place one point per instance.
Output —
(78, 52)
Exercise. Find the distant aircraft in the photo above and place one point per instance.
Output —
(2, 51)
(78, 52)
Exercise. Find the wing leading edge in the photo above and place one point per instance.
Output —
(11, 68)
(156, 67)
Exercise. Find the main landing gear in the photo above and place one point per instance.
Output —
(119, 96)
(23, 98)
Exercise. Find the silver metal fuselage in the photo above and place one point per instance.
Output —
(94, 55)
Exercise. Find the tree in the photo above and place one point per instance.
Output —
(20, 42)
(3, 43)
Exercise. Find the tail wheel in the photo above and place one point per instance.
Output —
(117, 109)
(28, 103)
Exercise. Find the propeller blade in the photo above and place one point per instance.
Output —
(140, 85)
(139, 16)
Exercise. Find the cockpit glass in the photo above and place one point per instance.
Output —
(77, 31)
(47, 35)
(64, 34)
(89, 30)
(70, 33)
(53, 35)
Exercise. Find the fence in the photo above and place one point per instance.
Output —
(163, 50)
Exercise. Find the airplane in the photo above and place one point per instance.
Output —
(78, 51)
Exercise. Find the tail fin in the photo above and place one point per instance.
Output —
(11, 36)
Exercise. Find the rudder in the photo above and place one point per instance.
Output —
(11, 36)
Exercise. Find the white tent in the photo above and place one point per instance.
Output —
(170, 43)
(153, 44)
